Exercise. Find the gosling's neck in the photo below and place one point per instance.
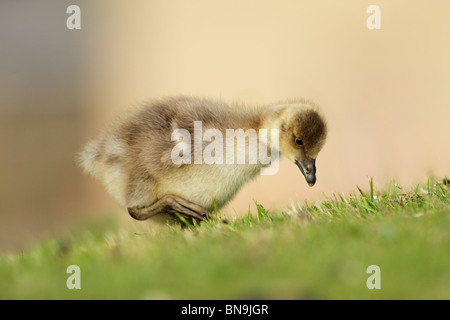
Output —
(269, 129)
(270, 117)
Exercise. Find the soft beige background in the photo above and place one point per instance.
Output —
(385, 92)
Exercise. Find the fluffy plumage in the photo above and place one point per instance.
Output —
(133, 158)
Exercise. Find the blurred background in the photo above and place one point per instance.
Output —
(385, 92)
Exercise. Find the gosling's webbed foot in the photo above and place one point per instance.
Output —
(170, 204)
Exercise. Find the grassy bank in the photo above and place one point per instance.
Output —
(306, 252)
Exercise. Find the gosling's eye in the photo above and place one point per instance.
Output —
(299, 141)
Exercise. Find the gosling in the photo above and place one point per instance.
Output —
(135, 158)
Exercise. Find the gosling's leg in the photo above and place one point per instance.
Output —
(170, 204)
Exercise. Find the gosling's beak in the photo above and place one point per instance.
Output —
(308, 168)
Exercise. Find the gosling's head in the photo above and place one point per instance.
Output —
(303, 132)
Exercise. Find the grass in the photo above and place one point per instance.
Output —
(311, 251)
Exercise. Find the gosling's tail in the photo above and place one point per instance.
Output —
(90, 159)
(103, 159)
